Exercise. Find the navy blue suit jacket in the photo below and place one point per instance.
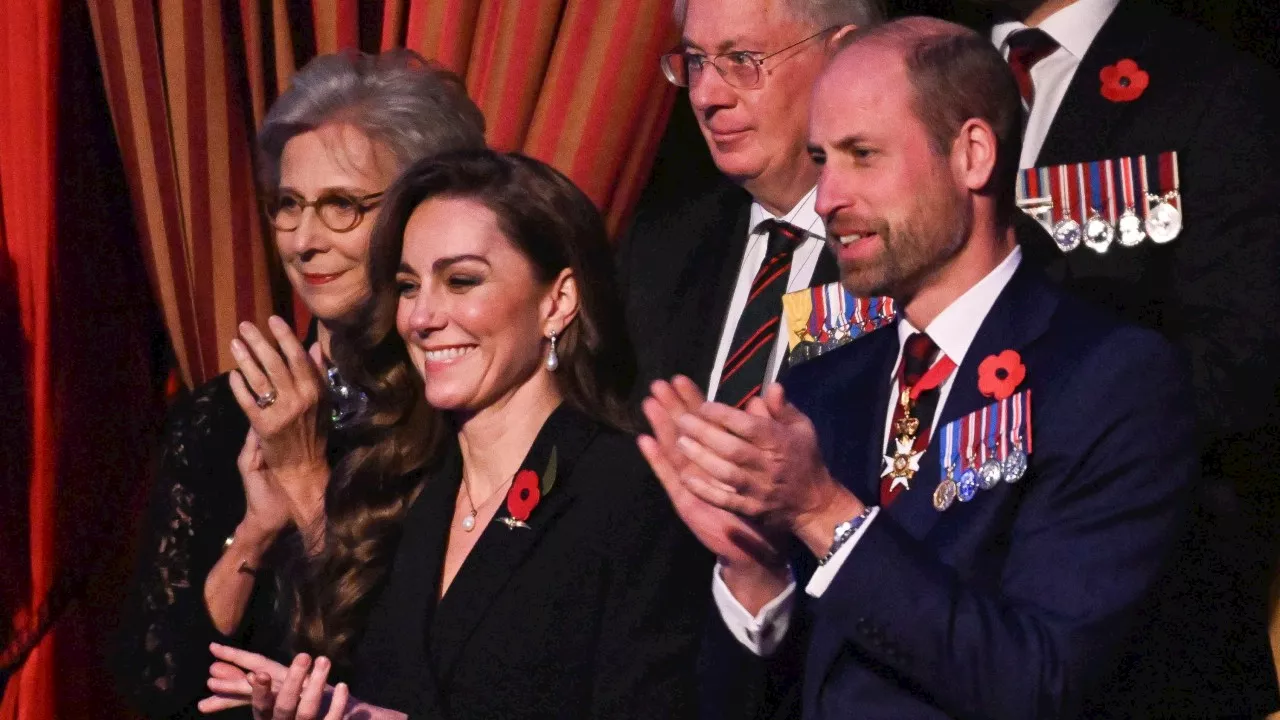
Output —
(1011, 605)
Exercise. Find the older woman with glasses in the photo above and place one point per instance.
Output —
(541, 571)
(243, 498)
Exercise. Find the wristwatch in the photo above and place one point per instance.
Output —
(843, 532)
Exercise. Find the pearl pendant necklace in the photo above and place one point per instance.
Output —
(469, 520)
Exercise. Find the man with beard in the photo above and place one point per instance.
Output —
(977, 554)
(703, 274)
(1108, 79)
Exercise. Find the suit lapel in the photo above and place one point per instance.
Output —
(705, 289)
(1019, 316)
(499, 552)
(416, 577)
(885, 355)
(827, 271)
(1086, 121)
(854, 380)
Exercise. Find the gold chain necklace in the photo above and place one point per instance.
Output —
(469, 522)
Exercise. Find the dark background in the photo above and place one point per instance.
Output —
(1252, 26)
(113, 352)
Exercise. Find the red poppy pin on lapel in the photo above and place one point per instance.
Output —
(526, 492)
(1124, 81)
(1000, 375)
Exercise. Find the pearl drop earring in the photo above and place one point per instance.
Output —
(553, 359)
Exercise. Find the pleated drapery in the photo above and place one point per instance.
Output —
(572, 82)
(28, 124)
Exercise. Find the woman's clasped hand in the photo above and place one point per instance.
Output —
(299, 691)
(280, 388)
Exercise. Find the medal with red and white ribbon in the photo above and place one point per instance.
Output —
(1164, 219)
(1066, 230)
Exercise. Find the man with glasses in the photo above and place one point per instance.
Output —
(1057, 442)
(704, 274)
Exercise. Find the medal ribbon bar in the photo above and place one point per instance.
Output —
(1125, 199)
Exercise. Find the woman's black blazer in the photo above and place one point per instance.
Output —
(595, 610)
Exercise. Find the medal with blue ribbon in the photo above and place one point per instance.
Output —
(982, 449)
(1097, 204)
(1099, 229)
(946, 492)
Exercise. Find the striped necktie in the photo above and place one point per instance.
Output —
(757, 331)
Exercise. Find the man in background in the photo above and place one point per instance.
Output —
(996, 576)
(703, 274)
(1108, 79)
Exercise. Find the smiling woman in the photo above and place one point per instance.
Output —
(497, 368)
(242, 493)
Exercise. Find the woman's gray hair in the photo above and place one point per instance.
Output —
(410, 107)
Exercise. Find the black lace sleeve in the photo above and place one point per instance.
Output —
(162, 657)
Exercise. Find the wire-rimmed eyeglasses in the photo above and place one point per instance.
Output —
(740, 68)
(339, 211)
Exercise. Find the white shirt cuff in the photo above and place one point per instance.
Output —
(823, 576)
(760, 634)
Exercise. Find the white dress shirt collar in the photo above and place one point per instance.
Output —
(804, 261)
(803, 215)
(956, 326)
(1073, 27)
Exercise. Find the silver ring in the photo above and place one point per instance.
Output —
(267, 399)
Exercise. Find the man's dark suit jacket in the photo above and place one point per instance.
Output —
(1215, 293)
(1014, 604)
(594, 611)
(678, 265)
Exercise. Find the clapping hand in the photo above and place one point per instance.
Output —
(741, 479)
(282, 393)
(266, 504)
(275, 692)
(762, 464)
(733, 539)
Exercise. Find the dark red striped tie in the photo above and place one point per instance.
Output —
(1026, 48)
(757, 331)
(918, 355)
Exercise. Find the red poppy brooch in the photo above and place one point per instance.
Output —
(1000, 375)
(526, 492)
(1124, 81)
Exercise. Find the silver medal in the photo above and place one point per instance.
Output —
(1015, 465)
(1067, 234)
(1164, 222)
(1130, 228)
(990, 474)
(1098, 233)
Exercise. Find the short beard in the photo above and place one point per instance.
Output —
(916, 250)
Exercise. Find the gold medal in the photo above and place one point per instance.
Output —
(905, 461)
(944, 495)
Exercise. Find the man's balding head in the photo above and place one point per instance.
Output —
(914, 125)
(955, 75)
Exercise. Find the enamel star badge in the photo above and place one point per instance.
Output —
(903, 464)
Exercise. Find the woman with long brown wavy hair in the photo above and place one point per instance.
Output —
(224, 527)
(541, 571)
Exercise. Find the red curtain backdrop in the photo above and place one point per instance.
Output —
(78, 393)
(92, 238)
(573, 82)
(28, 40)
